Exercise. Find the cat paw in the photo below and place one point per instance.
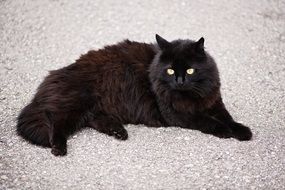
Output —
(58, 151)
(119, 133)
(241, 132)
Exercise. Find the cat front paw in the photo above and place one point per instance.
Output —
(241, 132)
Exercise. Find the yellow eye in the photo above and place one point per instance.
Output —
(170, 71)
(190, 71)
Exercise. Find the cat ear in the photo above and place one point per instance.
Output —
(162, 43)
(200, 45)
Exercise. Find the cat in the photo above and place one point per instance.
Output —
(161, 84)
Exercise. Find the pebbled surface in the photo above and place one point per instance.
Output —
(247, 38)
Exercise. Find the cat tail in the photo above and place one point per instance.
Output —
(34, 125)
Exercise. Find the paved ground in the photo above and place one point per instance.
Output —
(247, 38)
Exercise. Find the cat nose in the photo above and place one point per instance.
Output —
(180, 80)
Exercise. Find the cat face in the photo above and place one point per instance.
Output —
(183, 65)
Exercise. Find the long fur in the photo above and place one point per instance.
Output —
(107, 88)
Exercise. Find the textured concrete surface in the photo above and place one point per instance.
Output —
(247, 38)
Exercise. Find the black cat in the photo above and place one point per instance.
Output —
(165, 84)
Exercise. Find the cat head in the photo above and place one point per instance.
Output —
(184, 66)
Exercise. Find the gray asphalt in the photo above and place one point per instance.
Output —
(247, 38)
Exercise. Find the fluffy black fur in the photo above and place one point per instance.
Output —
(130, 82)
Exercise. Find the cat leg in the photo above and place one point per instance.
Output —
(109, 126)
(58, 140)
(209, 125)
(239, 131)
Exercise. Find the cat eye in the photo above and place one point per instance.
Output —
(190, 71)
(170, 71)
